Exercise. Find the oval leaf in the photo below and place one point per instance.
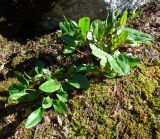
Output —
(111, 17)
(32, 95)
(34, 118)
(97, 52)
(17, 91)
(79, 81)
(50, 86)
(123, 62)
(84, 24)
(105, 57)
(98, 29)
(47, 102)
(114, 65)
(86, 68)
(62, 97)
(59, 106)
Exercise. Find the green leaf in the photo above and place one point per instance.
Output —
(110, 17)
(137, 37)
(70, 37)
(62, 96)
(133, 60)
(50, 86)
(105, 57)
(114, 65)
(21, 77)
(79, 81)
(39, 67)
(65, 87)
(123, 63)
(84, 24)
(34, 118)
(71, 42)
(69, 48)
(98, 52)
(17, 91)
(109, 28)
(86, 68)
(64, 27)
(104, 62)
(32, 95)
(119, 40)
(47, 102)
(109, 74)
(59, 106)
(123, 19)
(68, 25)
(135, 14)
(98, 29)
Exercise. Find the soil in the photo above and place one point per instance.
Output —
(125, 107)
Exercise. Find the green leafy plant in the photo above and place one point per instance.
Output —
(45, 88)
(74, 34)
(105, 38)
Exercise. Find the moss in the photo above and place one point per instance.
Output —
(5, 84)
(96, 108)
(96, 113)
(4, 101)
(125, 107)
(1, 38)
(148, 85)
(142, 79)
(17, 60)
(142, 68)
(158, 135)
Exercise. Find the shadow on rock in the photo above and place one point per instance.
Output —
(18, 18)
(18, 110)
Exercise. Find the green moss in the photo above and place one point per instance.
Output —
(158, 135)
(1, 38)
(4, 101)
(142, 68)
(17, 60)
(5, 84)
(125, 107)
(148, 85)
(133, 118)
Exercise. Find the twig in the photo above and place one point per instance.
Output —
(84, 54)
(36, 132)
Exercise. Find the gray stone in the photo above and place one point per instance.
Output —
(75, 9)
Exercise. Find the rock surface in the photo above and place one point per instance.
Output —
(74, 9)
(52, 11)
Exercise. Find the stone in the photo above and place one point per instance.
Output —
(47, 13)
(75, 9)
